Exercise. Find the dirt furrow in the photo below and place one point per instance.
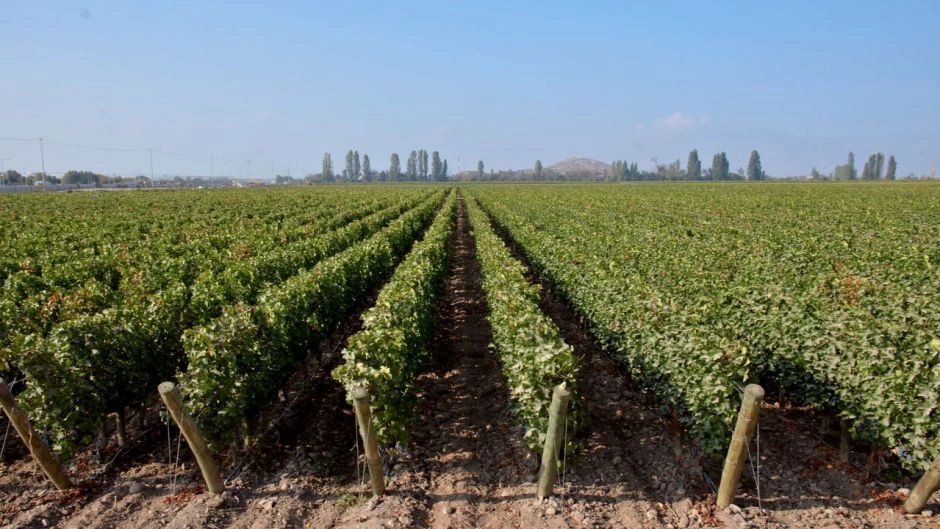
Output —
(465, 448)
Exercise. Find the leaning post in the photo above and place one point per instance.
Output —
(737, 450)
(210, 471)
(37, 448)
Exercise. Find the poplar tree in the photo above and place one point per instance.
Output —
(411, 170)
(327, 172)
(348, 173)
(754, 169)
(436, 166)
(480, 172)
(394, 169)
(720, 166)
(366, 168)
(423, 164)
(537, 170)
(892, 168)
(694, 166)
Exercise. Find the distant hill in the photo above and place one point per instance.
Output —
(580, 167)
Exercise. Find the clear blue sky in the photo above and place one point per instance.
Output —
(506, 82)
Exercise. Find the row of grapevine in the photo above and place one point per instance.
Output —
(533, 355)
(389, 351)
(241, 282)
(826, 294)
(237, 361)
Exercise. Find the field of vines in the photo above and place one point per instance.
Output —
(829, 296)
(105, 295)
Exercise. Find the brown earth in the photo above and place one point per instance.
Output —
(465, 466)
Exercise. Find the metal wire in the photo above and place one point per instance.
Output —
(564, 467)
(358, 468)
(89, 147)
(176, 470)
(4, 447)
(169, 445)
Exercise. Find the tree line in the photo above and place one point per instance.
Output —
(73, 177)
(874, 169)
(422, 167)
(419, 168)
(622, 170)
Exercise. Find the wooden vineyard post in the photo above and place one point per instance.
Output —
(737, 450)
(844, 440)
(360, 397)
(927, 485)
(557, 414)
(37, 448)
(676, 430)
(210, 471)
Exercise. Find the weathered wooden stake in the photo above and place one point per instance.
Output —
(249, 432)
(37, 448)
(676, 428)
(360, 397)
(927, 485)
(737, 451)
(557, 414)
(844, 440)
(121, 427)
(210, 471)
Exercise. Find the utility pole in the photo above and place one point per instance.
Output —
(3, 174)
(42, 157)
(151, 167)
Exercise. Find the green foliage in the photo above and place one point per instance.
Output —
(694, 166)
(235, 362)
(534, 357)
(847, 171)
(411, 171)
(826, 293)
(754, 169)
(394, 170)
(349, 173)
(95, 319)
(720, 167)
(366, 168)
(327, 169)
(390, 349)
(436, 167)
